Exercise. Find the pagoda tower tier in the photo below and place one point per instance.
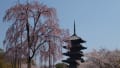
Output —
(72, 60)
(74, 54)
(74, 51)
(76, 47)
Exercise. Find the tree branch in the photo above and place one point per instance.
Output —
(37, 49)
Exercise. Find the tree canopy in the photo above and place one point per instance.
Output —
(34, 32)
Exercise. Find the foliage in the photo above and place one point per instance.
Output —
(61, 65)
(1, 59)
(103, 59)
(3, 64)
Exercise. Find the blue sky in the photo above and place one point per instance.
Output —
(97, 21)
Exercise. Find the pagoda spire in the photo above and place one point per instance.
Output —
(74, 29)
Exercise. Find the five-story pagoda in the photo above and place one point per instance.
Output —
(74, 52)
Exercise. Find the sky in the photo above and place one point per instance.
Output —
(97, 21)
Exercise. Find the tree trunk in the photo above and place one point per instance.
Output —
(29, 63)
(28, 40)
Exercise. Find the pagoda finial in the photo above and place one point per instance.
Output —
(74, 28)
(18, 2)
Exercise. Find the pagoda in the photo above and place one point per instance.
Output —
(74, 52)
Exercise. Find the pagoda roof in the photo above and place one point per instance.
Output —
(71, 61)
(75, 37)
